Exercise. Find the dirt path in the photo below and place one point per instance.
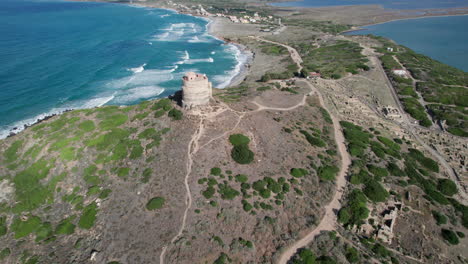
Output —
(292, 51)
(329, 219)
(192, 148)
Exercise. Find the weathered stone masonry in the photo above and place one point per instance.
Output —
(197, 90)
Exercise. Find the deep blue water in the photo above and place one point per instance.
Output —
(57, 55)
(441, 38)
(393, 4)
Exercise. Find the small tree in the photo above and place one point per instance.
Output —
(175, 114)
(450, 236)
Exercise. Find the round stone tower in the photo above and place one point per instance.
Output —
(196, 90)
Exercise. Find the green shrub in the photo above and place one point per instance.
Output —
(259, 185)
(241, 178)
(155, 203)
(246, 206)
(242, 154)
(3, 226)
(146, 175)
(87, 126)
(175, 114)
(93, 190)
(298, 172)
(4, 253)
(11, 153)
(159, 113)
(352, 255)
(222, 259)
(88, 217)
(209, 192)
(327, 173)
(355, 210)
(377, 171)
(123, 172)
(238, 140)
(227, 192)
(380, 250)
(65, 227)
(215, 171)
(24, 228)
(265, 193)
(375, 191)
(450, 236)
(113, 121)
(344, 216)
(440, 218)
(304, 256)
(428, 163)
(105, 193)
(447, 187)
(274, 186)
(461, 209)
(360, 177)
(164, 104)
(395, 170)
(314, 141)
(436, 196)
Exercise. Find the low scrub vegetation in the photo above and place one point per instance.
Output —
(155, 203)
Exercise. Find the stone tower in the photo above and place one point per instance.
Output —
(196, 90)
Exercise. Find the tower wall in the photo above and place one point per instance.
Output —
(196, 89)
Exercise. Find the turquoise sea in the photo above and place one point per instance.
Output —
(58, 55)
(442, 38)
(393, 4)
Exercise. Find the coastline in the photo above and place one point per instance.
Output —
(213, 26)
(242, 55)
(390, 30)
(399, 19)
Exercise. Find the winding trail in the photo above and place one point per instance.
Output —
(192, 148)
(329, 219)
(292, 51)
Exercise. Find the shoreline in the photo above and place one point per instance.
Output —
(242, 54)
(401, 19)
(242, 65)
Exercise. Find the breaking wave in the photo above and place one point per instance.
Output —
(122, 78)
(138, 93)
(137, 69)
(222, 81)
(177, 32)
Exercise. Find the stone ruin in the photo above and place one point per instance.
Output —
(381, 225)
(196, 90)
(391, 113)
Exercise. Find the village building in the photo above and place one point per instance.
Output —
(234, 19)
(196, 90)
(314, 75)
